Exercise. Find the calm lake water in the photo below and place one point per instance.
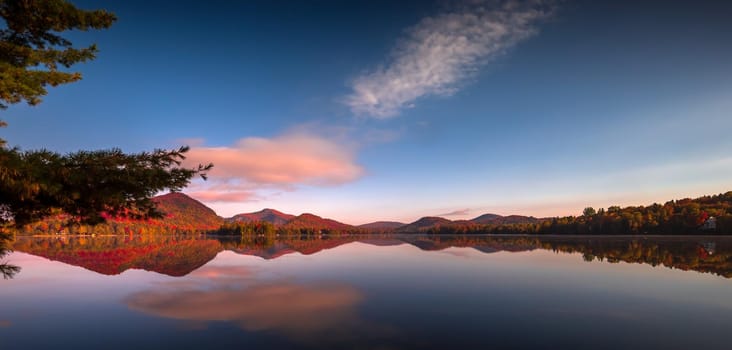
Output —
(385, 292)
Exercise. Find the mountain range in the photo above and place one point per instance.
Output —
(183, 211)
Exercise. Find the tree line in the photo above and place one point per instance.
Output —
(685, 216)
(264, 228)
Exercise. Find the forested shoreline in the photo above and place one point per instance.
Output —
(703, 215)
(707, 214)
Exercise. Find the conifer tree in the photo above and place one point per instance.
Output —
(87, 185)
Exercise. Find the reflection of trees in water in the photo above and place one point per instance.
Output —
(701, 254)
(177, 256)
(7, 270)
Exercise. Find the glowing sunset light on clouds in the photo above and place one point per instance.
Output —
(285, 162)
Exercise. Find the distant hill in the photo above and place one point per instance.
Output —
(269, 215)
(462, 223)
(486, 219)
(184, 212)
(180, 213)
(516, 219)
(314, 221)
(381, 225)
(431, 222)
(289, 221)
(495, 219)
(424, 224)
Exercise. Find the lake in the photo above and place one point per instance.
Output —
(366, 292)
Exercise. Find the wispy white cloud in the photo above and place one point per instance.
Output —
(441, 51)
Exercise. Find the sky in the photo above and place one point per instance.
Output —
(393, 110)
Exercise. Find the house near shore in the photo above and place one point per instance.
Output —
(709, 225)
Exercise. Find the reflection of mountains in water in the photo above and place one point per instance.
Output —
(114, 255)
(178, 256)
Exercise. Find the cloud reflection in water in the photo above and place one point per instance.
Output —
(301, 311)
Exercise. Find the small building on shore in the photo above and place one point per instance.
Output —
(709, 225)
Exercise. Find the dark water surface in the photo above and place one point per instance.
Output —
(385, 292)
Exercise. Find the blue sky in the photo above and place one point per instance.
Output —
(393, 110)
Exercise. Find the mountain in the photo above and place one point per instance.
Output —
(516, 219)
(381, 225)
(430, 222)
(269, 215)
(184, 212)
(290, 221)
(180, 213)
(458, 223)
(314, 221)
(494, 219)
(486, 219)
(424, 224)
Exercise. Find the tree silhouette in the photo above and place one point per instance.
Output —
(88, 185)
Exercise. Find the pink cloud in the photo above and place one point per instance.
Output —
(285, 161)
(223, 190)
(460, 212)
(284, 307)
(224, 196)
(234, 273)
